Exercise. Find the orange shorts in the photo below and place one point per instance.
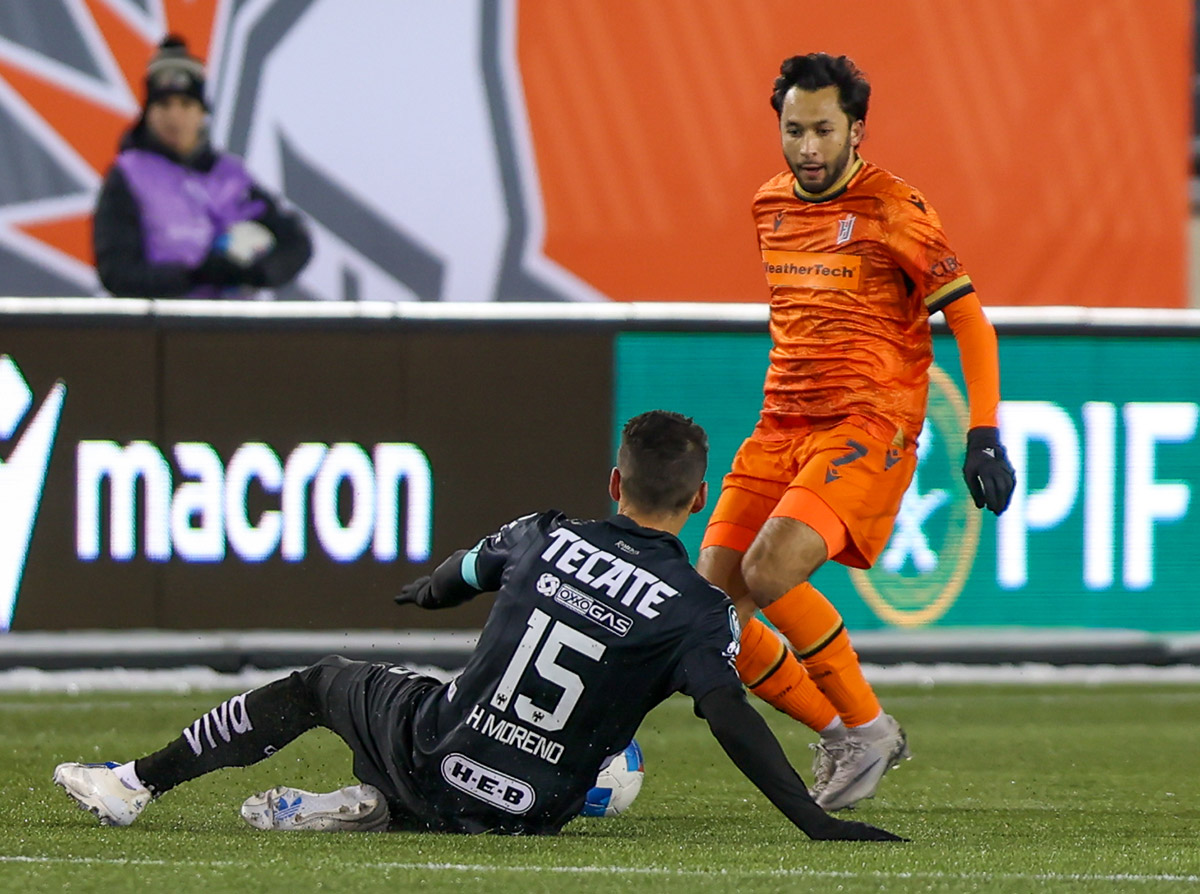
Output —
(843, 482)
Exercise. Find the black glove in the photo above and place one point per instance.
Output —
(256, 275)
(417, 593)
(990, 476)
(851, 830)
(218, 270)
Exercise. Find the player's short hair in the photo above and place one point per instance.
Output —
(817, 70)
(662, 458)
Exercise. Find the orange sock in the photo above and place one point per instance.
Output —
(770, 670)
(815, 629)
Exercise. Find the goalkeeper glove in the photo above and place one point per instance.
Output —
(989, 474)
(417, 593)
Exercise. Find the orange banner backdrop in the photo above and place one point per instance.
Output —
(1051, 136)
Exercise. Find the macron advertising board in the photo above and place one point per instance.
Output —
(269, 477)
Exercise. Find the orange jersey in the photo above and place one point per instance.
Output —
(854, 274)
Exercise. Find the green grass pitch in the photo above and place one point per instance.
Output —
(1012, 789)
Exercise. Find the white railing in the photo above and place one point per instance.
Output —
(646, 312)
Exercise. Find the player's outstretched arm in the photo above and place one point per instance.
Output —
(442, 589)
(750, 744)
(989, 475)
(480, 569)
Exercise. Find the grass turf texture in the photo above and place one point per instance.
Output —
(1012, 789)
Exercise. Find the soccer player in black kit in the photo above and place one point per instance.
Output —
(595, 623)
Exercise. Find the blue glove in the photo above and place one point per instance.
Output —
(989, 474)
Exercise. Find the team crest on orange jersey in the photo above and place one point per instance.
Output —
(845, 228)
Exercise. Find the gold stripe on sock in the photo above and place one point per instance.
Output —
(823, 641)
(772, 669)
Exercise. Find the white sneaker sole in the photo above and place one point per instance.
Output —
(359, 808)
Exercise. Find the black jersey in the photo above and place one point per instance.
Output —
(595, 623)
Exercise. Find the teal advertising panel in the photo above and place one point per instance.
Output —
(1102, 431)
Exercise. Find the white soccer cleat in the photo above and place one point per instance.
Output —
(355, 808)
(860, 760)
(96, 788)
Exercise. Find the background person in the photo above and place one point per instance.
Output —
(177, 218)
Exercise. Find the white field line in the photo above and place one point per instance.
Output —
(658, 871)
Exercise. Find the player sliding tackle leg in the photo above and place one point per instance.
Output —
(239, 732)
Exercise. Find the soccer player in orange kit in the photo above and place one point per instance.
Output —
(856, 261)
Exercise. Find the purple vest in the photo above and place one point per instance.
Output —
(184, 210)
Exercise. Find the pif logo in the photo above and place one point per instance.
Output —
(932, 548)
(22, 474)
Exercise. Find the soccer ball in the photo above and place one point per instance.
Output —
(618, 783)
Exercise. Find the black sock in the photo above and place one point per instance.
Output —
(238, 732)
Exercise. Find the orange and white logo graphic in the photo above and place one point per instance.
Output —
(466, 150)
(406, 200)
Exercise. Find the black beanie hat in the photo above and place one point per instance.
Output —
(174, 70)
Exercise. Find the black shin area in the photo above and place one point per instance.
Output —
(236, 733)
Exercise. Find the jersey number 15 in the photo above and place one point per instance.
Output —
(547, 650)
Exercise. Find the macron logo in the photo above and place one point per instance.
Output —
(23, 475)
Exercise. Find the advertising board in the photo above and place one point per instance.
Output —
(1102, 432)
(268, 476)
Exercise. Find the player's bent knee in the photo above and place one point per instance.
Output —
(333, 662)
(721, 567)
(765, 580)
(310, 675)
(783, 556)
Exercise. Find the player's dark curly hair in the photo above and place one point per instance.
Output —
(662, 458)
(817, 70)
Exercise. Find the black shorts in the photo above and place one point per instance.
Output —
(371, 706)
